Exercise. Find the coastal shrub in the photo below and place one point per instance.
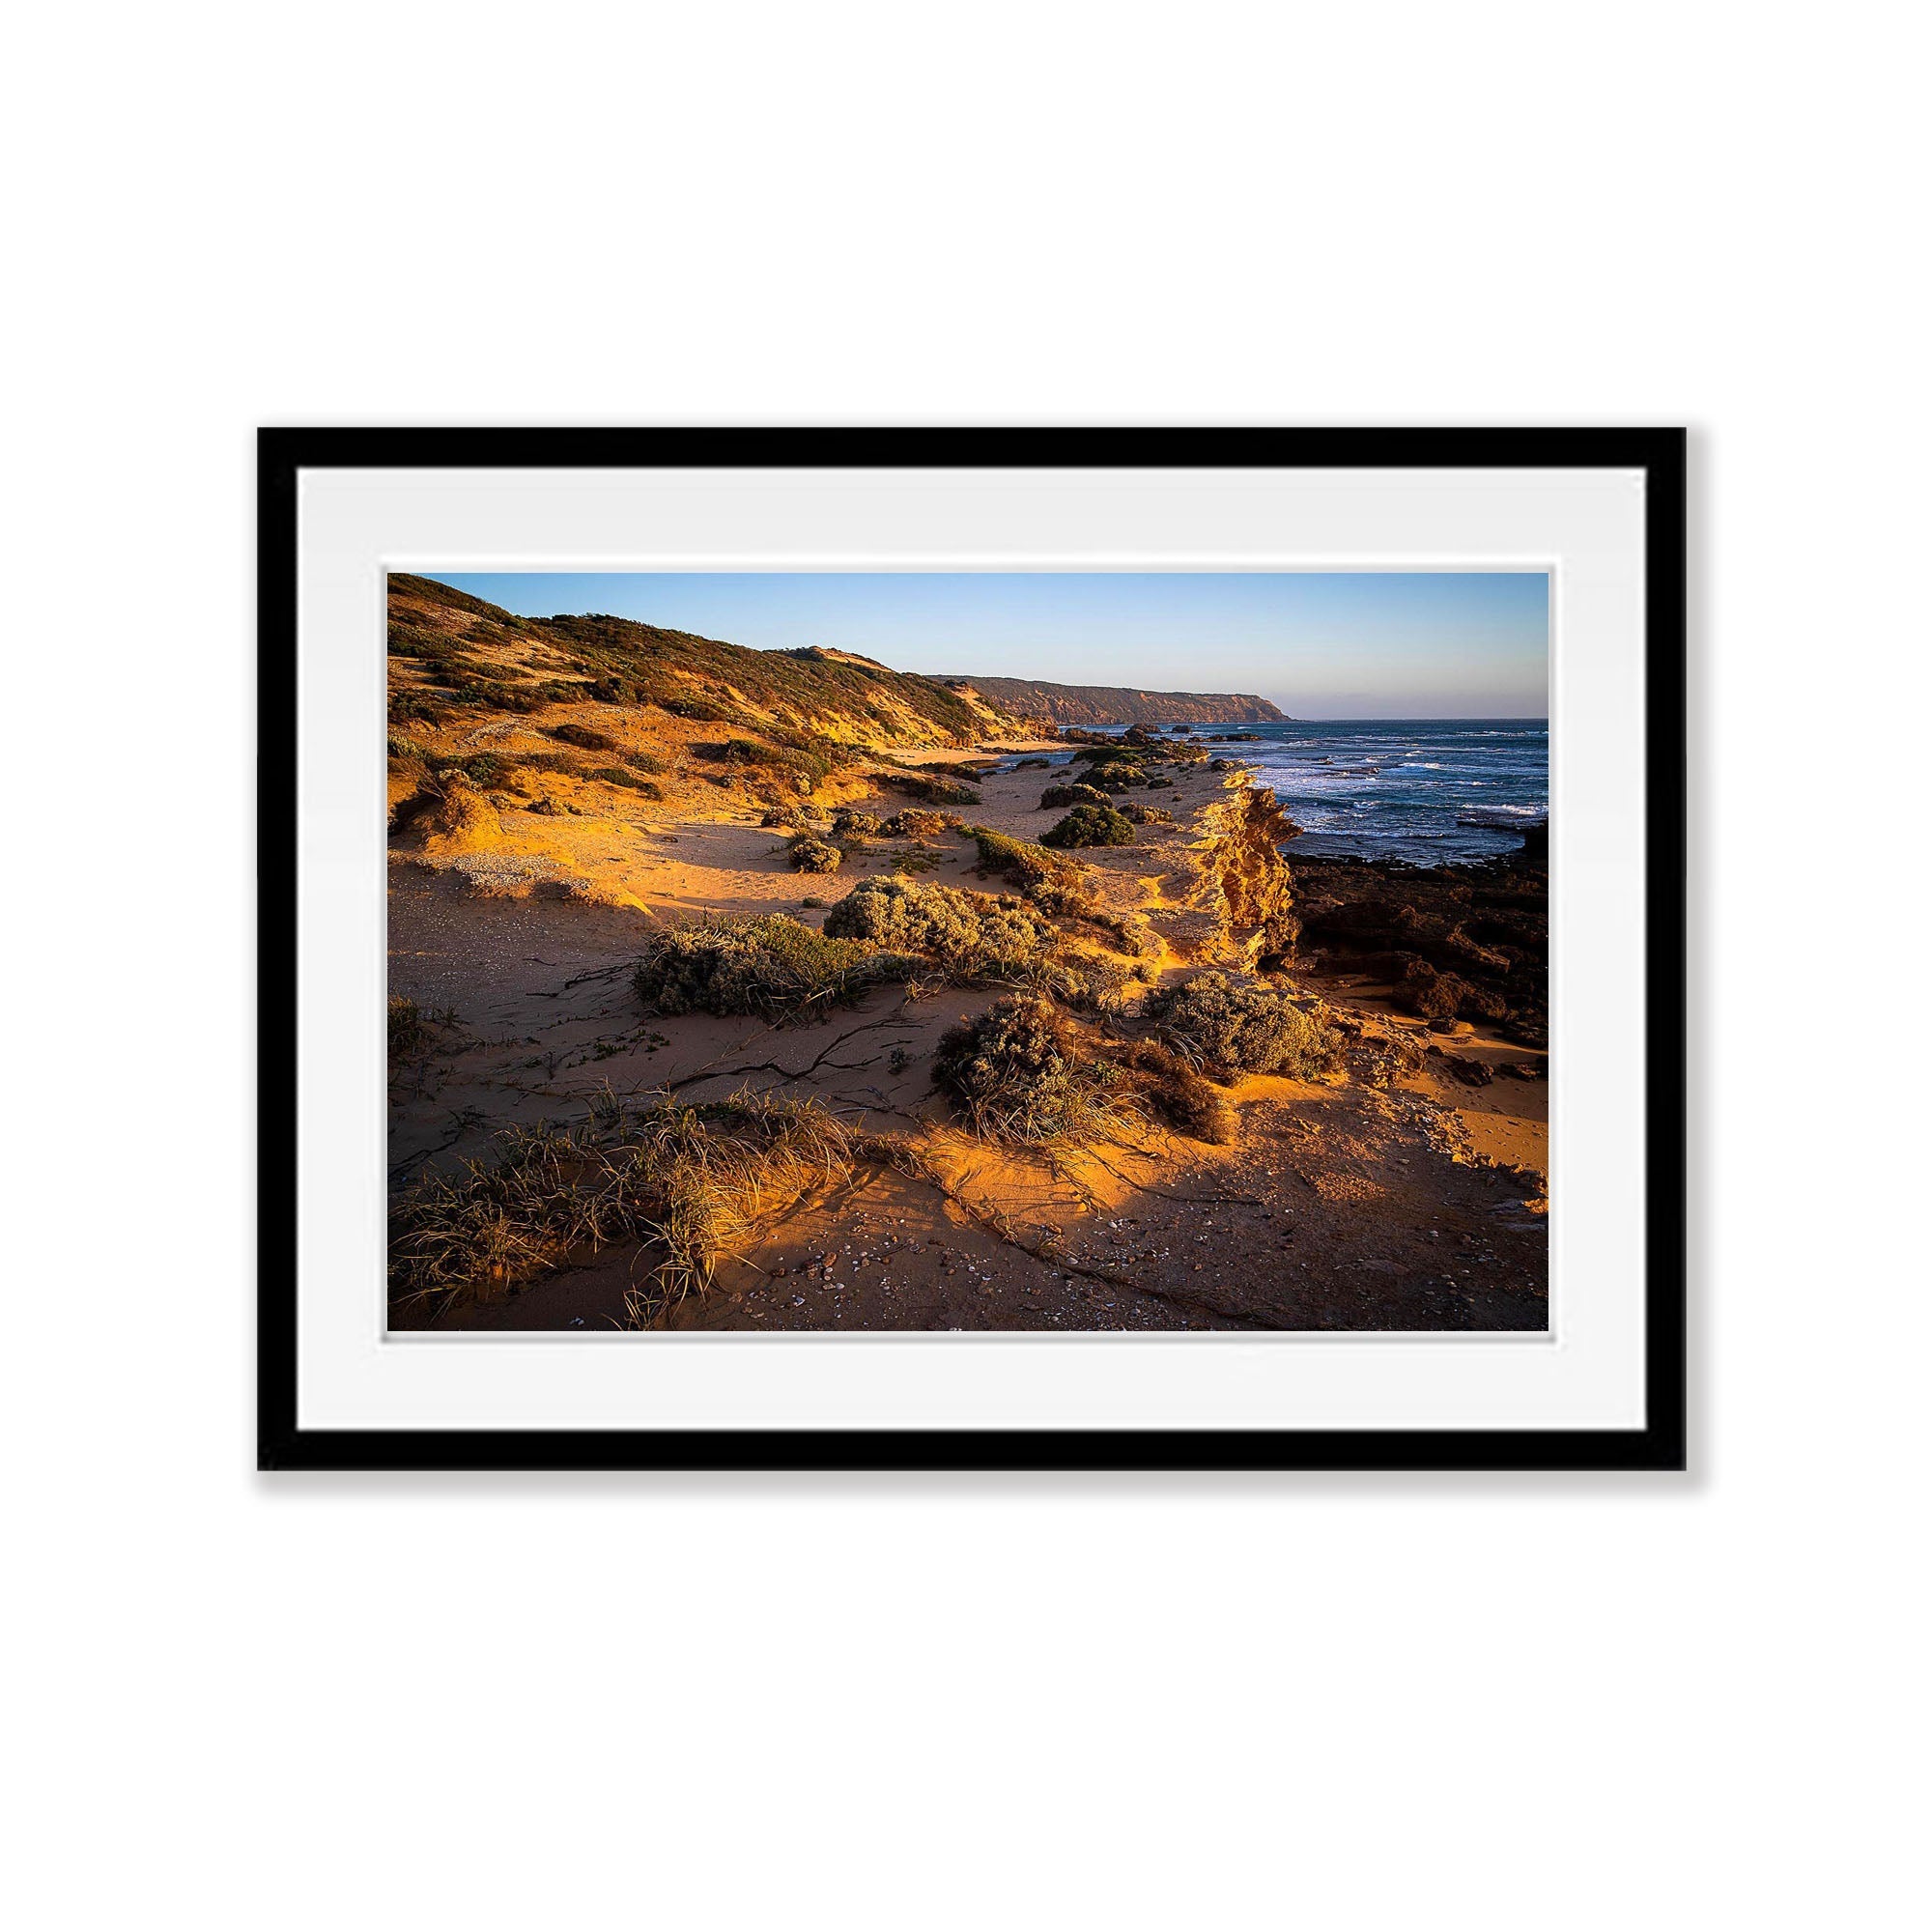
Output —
(615, 690)
(700, 710)
(849, 824)
(1230, 1023)
(583, 737)
(1089, 825)
(914, 823)
(781, 818)
(975, 934)
(1178, 1093)
(737, 751)
(809, 853)
(808, 768)
(485, 768)
(697, 1183)
(929, 790)
(1116, 775)
(617, 774)
(405, 705)
(416, 640)
(1019, 1073)
(776, 968)
(1064, 795)
(1050, 882)
(1145, 814)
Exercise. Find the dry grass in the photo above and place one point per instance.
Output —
(699, 1182)
(410, 1029)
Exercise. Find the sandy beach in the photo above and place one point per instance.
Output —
(1401, 1188)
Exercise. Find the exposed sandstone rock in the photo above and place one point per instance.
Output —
(1231, 898)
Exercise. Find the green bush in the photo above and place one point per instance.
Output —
(915, 823)
(1061, 796)
(1221, 1022)
(975, 934)
(930, 790)
(405, 705)
(1117, 775)
(849, 824)
(1050, 882)
(808, 768)
(809, 853)
(1089, 825)
(616, 775)
(700, 710)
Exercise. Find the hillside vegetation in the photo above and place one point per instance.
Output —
(452, 653)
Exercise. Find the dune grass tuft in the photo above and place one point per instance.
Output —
(701, 1183)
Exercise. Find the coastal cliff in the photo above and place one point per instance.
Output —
(1114, 704)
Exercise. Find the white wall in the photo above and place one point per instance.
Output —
(1401, 1703)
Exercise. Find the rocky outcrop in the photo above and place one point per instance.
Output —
(1231, 900)
(1468, 941)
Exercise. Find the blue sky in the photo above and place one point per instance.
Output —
(1381, 644)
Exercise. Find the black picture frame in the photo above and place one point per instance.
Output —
(1660, 1444)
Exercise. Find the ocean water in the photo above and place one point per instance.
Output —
(1433, 792)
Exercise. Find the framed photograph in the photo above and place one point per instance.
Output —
(972, 949)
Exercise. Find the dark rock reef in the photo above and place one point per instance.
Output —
(1470, 941)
